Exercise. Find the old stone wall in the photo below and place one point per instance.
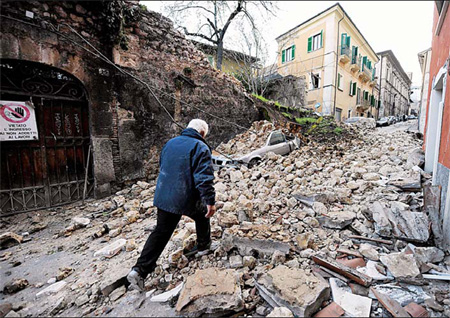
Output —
(288, 90)
(128, 126)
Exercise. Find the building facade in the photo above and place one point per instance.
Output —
(337, 61)
(424, 61)
(437, 122)
(395, 86)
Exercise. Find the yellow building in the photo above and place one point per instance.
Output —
(336, 59)
(233, 62)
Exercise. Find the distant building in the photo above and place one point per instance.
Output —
(415, 99)
(424, 61)
(337, 61)
(395, 85)
(437, 126)
(233, 61)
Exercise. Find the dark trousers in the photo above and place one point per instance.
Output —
(165, 226)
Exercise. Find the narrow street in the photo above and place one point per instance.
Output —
(262, 224)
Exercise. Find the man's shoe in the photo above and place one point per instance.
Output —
(136, 280)
(203, 251)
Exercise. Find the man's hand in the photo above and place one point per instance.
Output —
(211, 211)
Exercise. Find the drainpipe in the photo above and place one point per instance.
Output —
(335, 75)
(379, 91)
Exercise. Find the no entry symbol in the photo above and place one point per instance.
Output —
(14, 113)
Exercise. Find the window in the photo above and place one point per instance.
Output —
(345, 40)
(340, 81)
(349, 113)
(315, 81)
(315, 42)
(211, 60)
(276, 138)
(288, 54)
(358, 96)
(354, 55)
(352, 88)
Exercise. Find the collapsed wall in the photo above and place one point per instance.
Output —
(127, 124)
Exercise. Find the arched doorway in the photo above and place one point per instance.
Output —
(51, 170)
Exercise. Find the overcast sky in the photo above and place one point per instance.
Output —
(400, 26)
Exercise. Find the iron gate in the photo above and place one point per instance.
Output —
(51, 170)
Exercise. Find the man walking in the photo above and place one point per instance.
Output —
(184, 187)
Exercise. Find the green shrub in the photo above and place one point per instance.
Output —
(305, 120)
(287, 115)
(338, 130)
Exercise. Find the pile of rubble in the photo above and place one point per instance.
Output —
(328, 230)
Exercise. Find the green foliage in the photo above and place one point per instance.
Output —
(260, 98)
(305, 120)
(287, 115)
(338, 130)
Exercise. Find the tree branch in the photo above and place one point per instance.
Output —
(199, 35)
(231, 17)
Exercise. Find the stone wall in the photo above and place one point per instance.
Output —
(288, 91)
(128, 126)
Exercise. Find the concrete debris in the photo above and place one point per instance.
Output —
(404, 294)
(15, 286)
(368, 251)
(283, 226)
(280, 312)
(9, 239)
(401, 265)
(52, 289)
(162, 298)
(372, 270)
(211, 291)
(295, 289)
(111, 249)
(337, 220)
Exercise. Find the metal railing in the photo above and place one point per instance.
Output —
(345, 50)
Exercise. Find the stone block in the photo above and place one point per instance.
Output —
(211, 291)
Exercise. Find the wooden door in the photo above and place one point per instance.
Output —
(50, 171)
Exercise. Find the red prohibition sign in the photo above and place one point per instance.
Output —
(14, 113)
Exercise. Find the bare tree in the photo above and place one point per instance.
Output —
(215, 17)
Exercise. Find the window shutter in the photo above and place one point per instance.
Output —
(351, 89)
(283, 56)
(354, 88)
(293, 52)
(310, 44)
(321, 38)
(343, 37)
(339, 80)
(348, 41)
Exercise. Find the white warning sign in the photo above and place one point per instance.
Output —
(17, 121)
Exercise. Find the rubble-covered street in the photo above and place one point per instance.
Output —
(334, 227)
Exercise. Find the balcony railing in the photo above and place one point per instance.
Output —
(344, 54)
(366, 74)
(355, 64)
(363, 105)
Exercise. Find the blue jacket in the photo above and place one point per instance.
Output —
(185, 174)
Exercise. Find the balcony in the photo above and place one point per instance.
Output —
(366, 74)
(355, 66)
(344, 55)
(363, 105)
